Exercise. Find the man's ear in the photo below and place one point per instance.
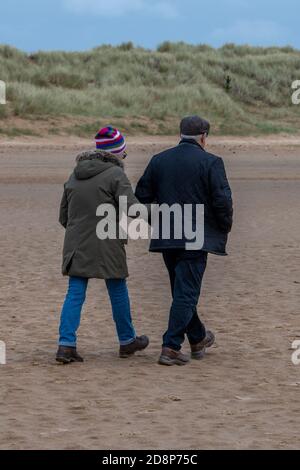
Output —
(203, 140)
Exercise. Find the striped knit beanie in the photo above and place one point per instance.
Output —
(111, 140)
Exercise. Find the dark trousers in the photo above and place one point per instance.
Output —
(186, 270)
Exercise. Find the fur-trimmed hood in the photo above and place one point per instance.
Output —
(94, 162)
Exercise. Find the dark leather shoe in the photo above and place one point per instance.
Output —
(169, 357)
(198, 350)
(66, 355)
(139, 344)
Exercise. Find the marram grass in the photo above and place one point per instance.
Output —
(240, 89)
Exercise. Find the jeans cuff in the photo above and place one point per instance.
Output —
(125, 343)
(173, 347)
(66, 344)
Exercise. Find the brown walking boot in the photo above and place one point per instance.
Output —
(139, 344)
(66, 355)
(198, 350)
(169, 357)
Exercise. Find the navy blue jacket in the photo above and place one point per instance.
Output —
(187, 174)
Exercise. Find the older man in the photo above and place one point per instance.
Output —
(188, 175)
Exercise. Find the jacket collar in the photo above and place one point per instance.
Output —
(101, 155)
(191, 142)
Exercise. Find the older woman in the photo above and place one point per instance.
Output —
(98, 178)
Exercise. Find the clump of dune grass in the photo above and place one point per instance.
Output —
(127, 83)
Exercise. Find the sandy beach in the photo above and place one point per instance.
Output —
(243, 395)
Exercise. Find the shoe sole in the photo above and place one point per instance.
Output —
(166, 361)
(210, 343)
(127, 355)
(199, 355)
(63, 360)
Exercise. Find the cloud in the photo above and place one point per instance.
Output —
(115, 8)
(256, 31)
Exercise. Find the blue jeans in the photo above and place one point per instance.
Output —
(71, 312)
(186, 270)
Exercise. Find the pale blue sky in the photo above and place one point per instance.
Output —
(83, 24)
